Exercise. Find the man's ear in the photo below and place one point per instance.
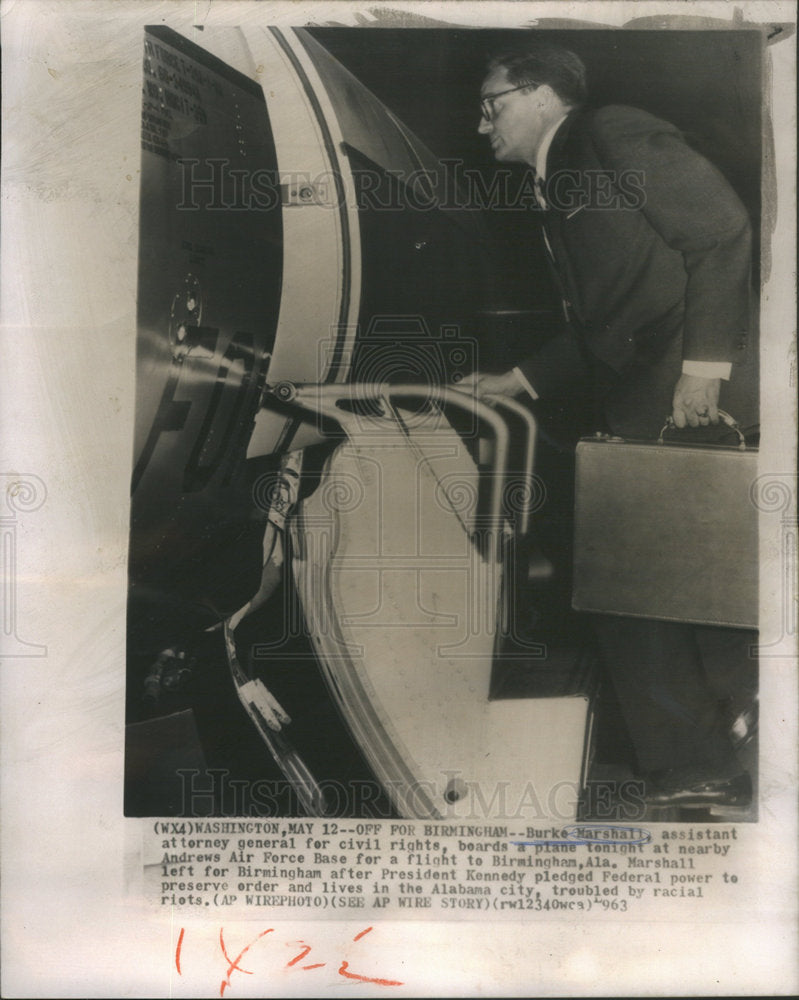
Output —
(546, 96)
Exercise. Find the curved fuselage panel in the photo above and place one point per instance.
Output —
(291, 233)
(285, 234)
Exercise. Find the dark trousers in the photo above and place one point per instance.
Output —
(672, 711)
(669, 705)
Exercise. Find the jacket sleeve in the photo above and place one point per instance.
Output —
(694, 210)
(558, 368)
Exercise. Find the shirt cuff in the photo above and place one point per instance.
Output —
(708, 369)
(523, 381)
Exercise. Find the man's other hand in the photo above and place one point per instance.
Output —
(696, 401)
(506, 384)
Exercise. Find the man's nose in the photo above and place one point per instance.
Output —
(484, 126)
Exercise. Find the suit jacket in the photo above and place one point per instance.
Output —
(644, 230)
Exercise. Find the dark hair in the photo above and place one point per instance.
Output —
(542, 62)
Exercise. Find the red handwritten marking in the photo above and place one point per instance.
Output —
(234, 964)
(365, 979)
(302, 954)
(177, 950)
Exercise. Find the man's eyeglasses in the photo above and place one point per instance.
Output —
(487, 102)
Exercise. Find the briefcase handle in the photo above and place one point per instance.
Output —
(731, 422)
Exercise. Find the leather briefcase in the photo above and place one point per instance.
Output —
(666, 530)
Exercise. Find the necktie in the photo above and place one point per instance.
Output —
(542, 201)
(540, 197)
(539, 193)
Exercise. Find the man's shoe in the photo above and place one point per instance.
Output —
(676, 788)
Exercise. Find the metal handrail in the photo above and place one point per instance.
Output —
(524, 414)
(324, 398)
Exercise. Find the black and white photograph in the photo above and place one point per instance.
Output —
(368, 576)
(405, 517)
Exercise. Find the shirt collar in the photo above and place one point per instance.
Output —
(543, 149)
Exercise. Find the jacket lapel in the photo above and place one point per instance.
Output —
(554, 218)
(556, 156)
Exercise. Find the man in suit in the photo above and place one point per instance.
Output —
(649, 249)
